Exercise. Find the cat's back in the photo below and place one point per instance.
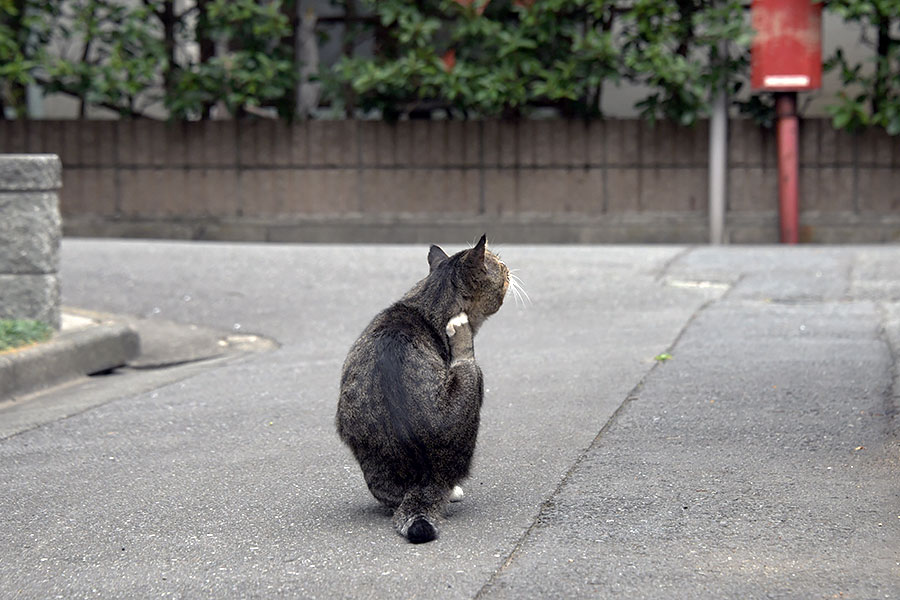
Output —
(399, 346)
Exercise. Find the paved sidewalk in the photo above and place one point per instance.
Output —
(760, 461)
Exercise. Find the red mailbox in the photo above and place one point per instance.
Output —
(786, 55)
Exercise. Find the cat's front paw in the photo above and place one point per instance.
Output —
(456, 322)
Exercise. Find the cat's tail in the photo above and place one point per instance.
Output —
(413, 519)
(418, 529)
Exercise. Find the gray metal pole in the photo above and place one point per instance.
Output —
(718, 167)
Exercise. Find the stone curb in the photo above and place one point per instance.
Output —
(68, 355)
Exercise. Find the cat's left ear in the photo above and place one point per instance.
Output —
(435, 257)
(476, 254)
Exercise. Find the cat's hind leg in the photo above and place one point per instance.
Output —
(380, 480)
(457, 494)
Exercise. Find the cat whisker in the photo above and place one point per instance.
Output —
(517, 284)
(515, 293)
(518, 290)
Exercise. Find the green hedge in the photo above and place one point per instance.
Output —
(469, 58)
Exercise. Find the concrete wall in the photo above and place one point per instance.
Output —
(29, 238)
(541, 181)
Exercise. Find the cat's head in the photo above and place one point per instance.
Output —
(479, 276)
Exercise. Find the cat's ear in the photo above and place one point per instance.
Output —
(475, 256)
(435, 257)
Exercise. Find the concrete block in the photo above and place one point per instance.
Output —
(879, 190)
(595, 134)
(255, 139)
(72, 151)
(414, 191)
(500, 144)
(175, 146)
(14, 136)
(555, 143)
(95, 143)
(30, 297)
(546, 143)
(753, 232)
(827, 189)
(768, 147)
(689, 146)
(88, 191)
(586, 193)
(622, 190)
(554, 190)
(325, 191)
(895, 151)
(30, 230)
(27, 172)
(267, 192)
(737, 150)
(44, 137)
(421, 193)
(747, 145)
(333, 143)
(142, 143)
(382, 190)
(376, 141)
(213, 192)
(281, 143)
(427, 146)
(874, 148)
(232, 231)
(696, 152)
(211, 143)
(574, 153)
(501, 191)
(454, 191)
(752, 189)
(161, 228)
(808, 187)
(463, 143)
(128, 151)
(156, 193)
(299, 144)
(846, 147)
(668, 189)
(403, 147)
(655, 149)
(830, 141)
(85, 143)
(809, 141)
(623, 143)
(532, 145)
(265, 143)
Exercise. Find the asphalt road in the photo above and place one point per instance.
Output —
(760, 460)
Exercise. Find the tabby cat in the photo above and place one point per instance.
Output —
(411, 391)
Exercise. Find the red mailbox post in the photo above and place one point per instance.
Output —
(786, 57)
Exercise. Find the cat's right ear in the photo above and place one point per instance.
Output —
(435, 257)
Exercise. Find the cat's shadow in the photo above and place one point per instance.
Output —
(365, 513)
